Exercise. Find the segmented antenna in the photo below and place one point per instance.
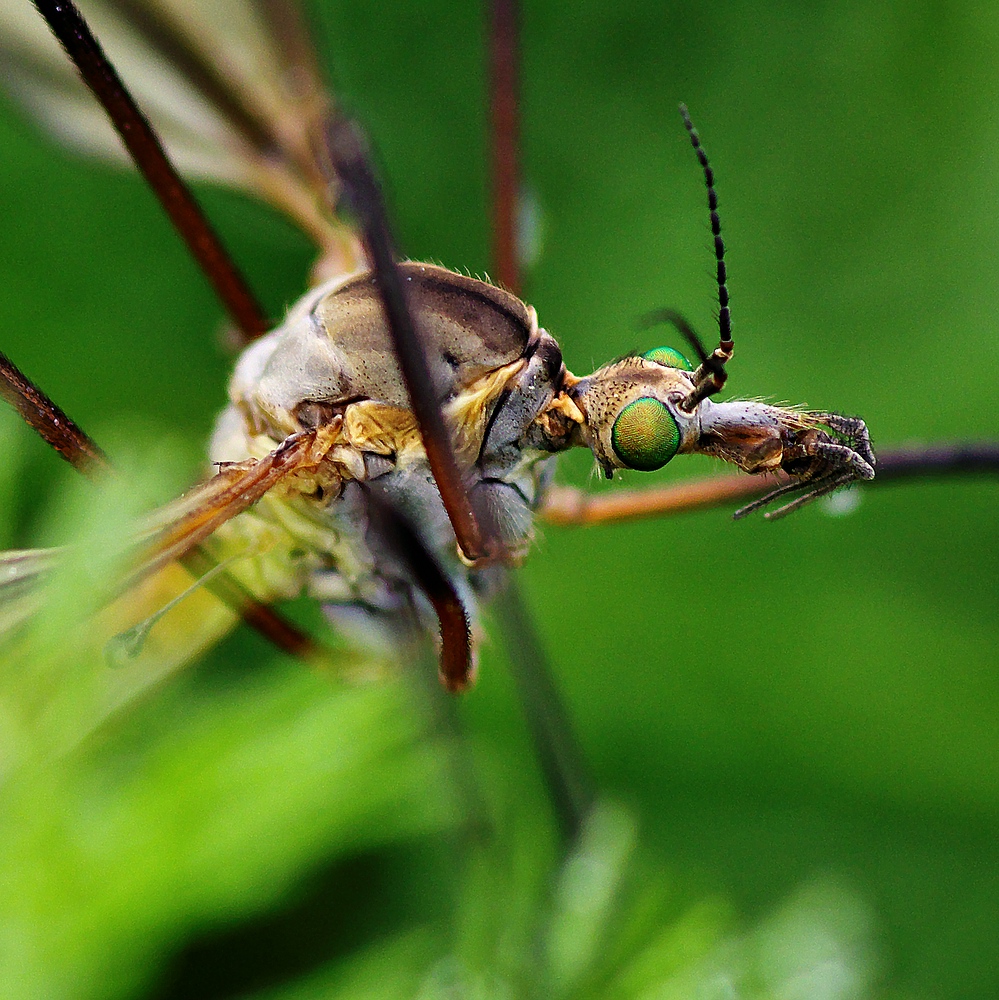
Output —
(724, 314)
(711, 375)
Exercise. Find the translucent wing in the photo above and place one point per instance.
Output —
(177, 529)
(169, 535)
(231, 87)
(21, 573)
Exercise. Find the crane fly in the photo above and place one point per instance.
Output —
(388, 446)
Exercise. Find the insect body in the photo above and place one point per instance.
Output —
(511, 406)
(331, 365)
(331, 430)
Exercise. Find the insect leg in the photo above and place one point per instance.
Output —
(351, 164)
(83, 453)
(455, 665)
(146, 150)
(562, 762)
(48, 420)
(504, 131)
(570, 505)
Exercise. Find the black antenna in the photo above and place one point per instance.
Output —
(724, 314)
(710, 376)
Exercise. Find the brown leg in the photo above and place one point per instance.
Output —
(83, 453)
(149, 156)
(570, 505)
(349, 161)
(504, 133)
(43, 416)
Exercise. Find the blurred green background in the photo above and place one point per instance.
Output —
(799, 721)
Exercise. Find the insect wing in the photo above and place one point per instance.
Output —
(155, 581)
(22, 572)
(231, 491)
(232, 90)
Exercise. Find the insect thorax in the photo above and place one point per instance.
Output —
(331, 363)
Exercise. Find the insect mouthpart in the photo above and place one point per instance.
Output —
(819, 452)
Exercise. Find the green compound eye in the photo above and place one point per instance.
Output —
(645, 436)
(670, 357)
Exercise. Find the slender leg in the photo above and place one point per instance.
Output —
(456, 665)
(563, 764)
(504, 127)
(351, 164)
(85, 455)
(570, 784)
(43, 416)
(147, 152)
(568, 505)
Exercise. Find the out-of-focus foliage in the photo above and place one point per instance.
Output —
(799, 718)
